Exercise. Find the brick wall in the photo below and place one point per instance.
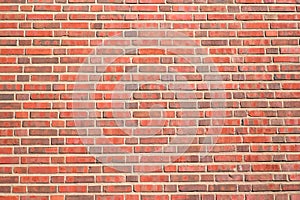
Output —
(149, 99)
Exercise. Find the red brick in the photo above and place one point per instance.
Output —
(72, 189)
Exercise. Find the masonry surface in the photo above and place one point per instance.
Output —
(149, 99)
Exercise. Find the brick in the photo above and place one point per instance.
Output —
(119, 188)
(220, 16)
(78, 197)
(75, 8)
(254, 196)
(81, 1)
(82, 16)
(214, 42)
(42, 170)
(72, 189)
(39, 17)
(294, 196)
(47, 8)
(12, 16)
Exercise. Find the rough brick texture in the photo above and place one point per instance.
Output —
(213, 116)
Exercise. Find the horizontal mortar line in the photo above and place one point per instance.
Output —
(113, 56)
(163, 20)
(131, 10)
(201, 182)
(142, 109)
(94, 65)
(194, 4)
(149, 136)
(102, 68)
(153, 38)
(195, 47)
(152, 55)
(117, 90)
(166, 31)
(182, 4)
(166, 71)
(55, 155)
(273, 153)
(165, 145)
(53, 30)
(162, 91)
(99, 68)
(156, 21)
(218, 117)
(159, 145)
(185, 155)
(153, 17)
(81, 128)
(167, 118)
(84, 136)
(93, 83)
(161, 153)
(158, 193)
(165, 154)
(164, 118)
(90, 110)
(163, 47)
(285, 134)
